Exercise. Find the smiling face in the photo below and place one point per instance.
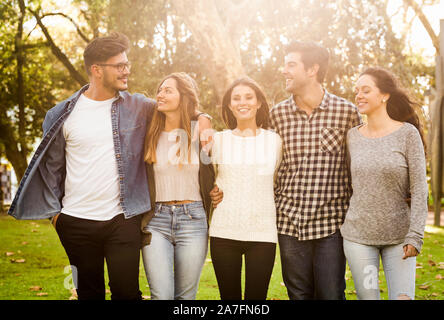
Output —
(368, 96)
(244, 103)
(112, 79)
(296, 77)
(168, 96)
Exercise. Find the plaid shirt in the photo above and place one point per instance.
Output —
(313, 188)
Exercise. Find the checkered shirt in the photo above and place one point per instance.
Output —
(313, 188)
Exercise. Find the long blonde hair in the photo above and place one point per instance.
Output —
(188, 104)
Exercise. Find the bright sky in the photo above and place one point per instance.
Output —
(420, 39)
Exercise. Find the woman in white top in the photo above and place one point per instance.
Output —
(244, 223)
(177, 226)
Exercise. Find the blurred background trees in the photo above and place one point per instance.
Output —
(42, 41)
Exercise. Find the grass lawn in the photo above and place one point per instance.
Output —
(33, 265)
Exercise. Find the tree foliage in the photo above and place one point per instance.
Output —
(214, 41)
(26, 81)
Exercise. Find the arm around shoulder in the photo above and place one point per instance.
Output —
(356, 118)
(150, 105)
(205, 130)
(141, 102)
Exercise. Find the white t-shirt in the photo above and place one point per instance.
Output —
(92, 182)
(245, 172)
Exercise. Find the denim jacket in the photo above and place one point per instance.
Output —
(41, 189)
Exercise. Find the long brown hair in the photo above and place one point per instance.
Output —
(400, 106)
(262, 116)
(188, 104)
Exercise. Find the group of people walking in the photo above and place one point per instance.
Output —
(119, 173)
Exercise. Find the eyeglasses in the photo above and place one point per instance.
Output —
(119, 66)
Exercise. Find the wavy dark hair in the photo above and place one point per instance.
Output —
(102, 48)
(400, 106)
(262, 116)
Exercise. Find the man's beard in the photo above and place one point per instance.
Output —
(108, 83)
(296, 88)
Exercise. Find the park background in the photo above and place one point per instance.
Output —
(41, 47)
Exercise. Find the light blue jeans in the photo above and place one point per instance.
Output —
(174, 259)
(364, 265)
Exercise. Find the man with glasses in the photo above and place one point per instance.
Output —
(89, 176)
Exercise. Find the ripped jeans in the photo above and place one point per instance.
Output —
(364, 265)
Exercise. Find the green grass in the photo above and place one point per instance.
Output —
(45, 261)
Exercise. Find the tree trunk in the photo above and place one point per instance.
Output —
(425, 22)
(218, 54)
(437, 134)
(20, 58)
(77, 76)
(16, 150)
(12, 152)
(17, 160)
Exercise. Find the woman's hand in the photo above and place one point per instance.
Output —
(205, 131)
(216, 196)
(409, 251)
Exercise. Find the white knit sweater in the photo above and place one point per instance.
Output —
(245, 169)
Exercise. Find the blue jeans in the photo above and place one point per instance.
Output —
(364, 265)
(313, 269)
(174, 259)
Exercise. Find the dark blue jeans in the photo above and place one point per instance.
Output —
(313, 269)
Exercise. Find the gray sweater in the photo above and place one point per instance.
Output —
(385, 172)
